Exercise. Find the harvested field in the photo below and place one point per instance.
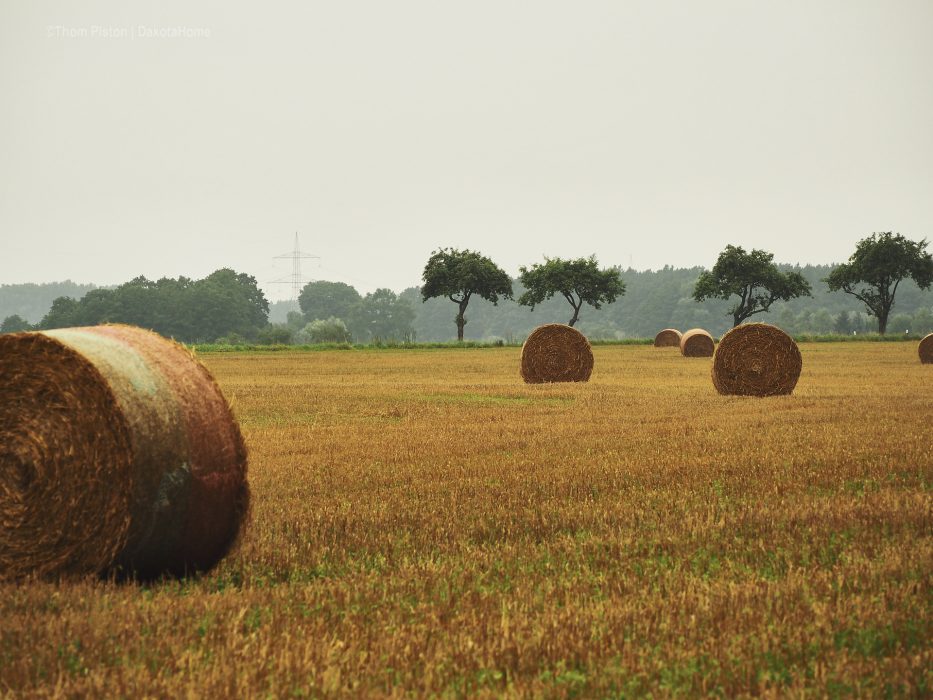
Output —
(424, 522)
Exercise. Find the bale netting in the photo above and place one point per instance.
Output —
(118, 455)
(556, 353)
(697, 343)
(668, 338)
(756, 359)
(926, 350)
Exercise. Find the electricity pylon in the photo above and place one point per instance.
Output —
(295, 278)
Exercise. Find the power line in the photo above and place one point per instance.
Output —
(295, 278)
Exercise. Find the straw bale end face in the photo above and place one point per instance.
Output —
(697, 343)
(66, 460)
(926, 350)
(556, 353)
(668, 338)
(756, 359)
(119, 454)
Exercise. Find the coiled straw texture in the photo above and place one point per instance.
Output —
(697, 343)
(668, 338)
(926, 350)
(756, 359)
(556, 353)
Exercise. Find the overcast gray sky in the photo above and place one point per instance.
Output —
(648, 133)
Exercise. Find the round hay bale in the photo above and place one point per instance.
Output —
(118, 454)
(668, 338)
(556, 353)
(926, 350)
(697, 343)
(756, 359)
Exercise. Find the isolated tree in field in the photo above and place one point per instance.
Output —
(460, 274)
(753, 278)
(323, 300)
(579, 281)
(878, 265)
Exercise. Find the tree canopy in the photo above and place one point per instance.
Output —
(461, 274)
(753, 278)
(323, 300)
(222, 304)
(579, 281)
(382, 315)
(876, 269)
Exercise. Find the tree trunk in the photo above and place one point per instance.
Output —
(576, 314)
(461, 318)
(883, 322)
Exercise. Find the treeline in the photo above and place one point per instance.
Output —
(225, 306)
(653, 300)
(228, 306)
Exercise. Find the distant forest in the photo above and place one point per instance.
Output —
(229, 306)
(33, 301)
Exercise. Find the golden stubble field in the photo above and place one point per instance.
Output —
(426, 524)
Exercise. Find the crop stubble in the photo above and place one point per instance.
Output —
(424, 521)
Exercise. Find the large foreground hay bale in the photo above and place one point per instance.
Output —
(756, 359)
(697, 343)
(118, 453)
(926, 350)
(668, 338)
(556, 353)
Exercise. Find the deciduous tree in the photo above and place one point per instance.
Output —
(381, 315)
(876, 268)
(579, 281)
(753, 278)
(461, 274)
(323, 299)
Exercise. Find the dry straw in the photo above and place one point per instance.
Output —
(668, 338)
(926, 350)
(118, 453)
(697, 343)
(556, 353)
(756, 359)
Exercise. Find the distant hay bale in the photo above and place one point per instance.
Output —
(118, 453)
(697, 343)
(756, 359)
(926, 350)
(668, 338)
(556, 353)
